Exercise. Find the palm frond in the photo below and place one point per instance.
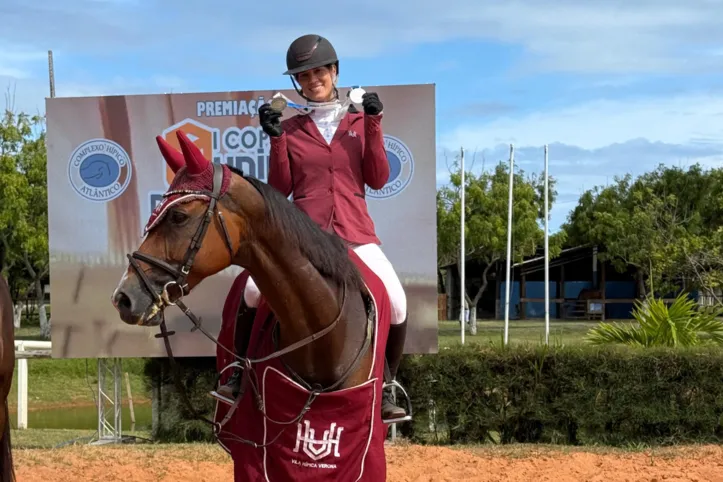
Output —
(626, 334)
(680, 324)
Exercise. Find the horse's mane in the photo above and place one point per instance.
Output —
(327, 252)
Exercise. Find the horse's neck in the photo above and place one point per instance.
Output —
(299, 295)
(305, 303)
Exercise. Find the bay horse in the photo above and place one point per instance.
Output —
(329, 318)
(7, 367)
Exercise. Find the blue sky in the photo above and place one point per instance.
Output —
(612, 86)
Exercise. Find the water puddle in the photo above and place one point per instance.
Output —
(84, 418)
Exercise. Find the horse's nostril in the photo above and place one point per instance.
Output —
(123, 302)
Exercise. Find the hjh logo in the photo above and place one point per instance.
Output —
(318, 449)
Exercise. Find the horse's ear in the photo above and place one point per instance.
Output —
(195, 161)
(173, 158)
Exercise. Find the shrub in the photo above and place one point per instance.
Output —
(173, 422)
(612, 395)
(571, 395)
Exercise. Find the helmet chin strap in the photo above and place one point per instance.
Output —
(312, 103)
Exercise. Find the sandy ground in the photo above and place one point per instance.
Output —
(407, 463)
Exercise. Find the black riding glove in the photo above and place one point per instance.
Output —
(371, 103)
(270, 120)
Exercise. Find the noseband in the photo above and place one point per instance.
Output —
(180, 284)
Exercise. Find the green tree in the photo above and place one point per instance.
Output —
(698, 255)
(486, 207)
(23, 201)
(663, 224)
(700, 260)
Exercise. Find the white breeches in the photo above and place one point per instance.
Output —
(374, 257)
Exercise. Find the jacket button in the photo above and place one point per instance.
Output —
(331, 169)
(331, 189)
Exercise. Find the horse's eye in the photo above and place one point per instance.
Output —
(178, 217)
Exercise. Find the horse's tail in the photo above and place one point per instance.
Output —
(7, 471)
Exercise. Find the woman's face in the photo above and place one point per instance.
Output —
(318, 84)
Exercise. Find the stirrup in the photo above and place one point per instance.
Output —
(408, 416)
(221, 398)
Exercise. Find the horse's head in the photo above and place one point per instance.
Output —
(194, 233)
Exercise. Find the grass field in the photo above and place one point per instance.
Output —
(28, 333)
(520, 331)
(71, 382)
(56, 383)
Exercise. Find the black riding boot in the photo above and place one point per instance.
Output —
(244, 323)
(394, 350)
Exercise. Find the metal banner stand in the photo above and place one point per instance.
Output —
(109, 402)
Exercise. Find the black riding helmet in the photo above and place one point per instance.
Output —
(309, 52)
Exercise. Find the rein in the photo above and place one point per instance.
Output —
(180, 287)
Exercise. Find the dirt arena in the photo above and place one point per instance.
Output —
(407, 463)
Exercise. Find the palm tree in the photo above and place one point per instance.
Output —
(680, 324)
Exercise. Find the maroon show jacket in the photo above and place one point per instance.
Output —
(328, 180)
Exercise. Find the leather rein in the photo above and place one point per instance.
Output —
(174, 291)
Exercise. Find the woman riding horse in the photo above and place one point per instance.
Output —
(328, 175)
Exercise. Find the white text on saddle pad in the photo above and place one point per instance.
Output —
(318, 449)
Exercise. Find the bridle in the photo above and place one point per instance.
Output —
(179, 287)
(164, 298)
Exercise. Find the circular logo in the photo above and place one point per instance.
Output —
(401, 169)
(99, 170)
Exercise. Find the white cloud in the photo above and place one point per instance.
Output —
(28, 95)
(20, 54)
(594, 36)
(14, 72)
(15, 61)
(593, 142)
(682, 119)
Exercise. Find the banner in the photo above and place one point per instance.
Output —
(106, 174)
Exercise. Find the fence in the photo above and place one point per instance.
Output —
(38, 349)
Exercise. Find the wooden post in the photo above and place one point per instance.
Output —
(130, 402)
(561, 308)
(523, 295)
(602, 287)
(451, 287)
(51, 74)
(497, 292)
(595, 280)
(156, 400)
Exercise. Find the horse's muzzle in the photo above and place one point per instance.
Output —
(135, 307)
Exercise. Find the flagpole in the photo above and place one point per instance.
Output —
(51, 73)
(547, 255)
(509, 246)
(461, 255)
